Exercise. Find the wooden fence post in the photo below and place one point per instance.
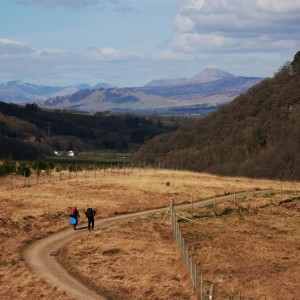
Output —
(201, 288)
(211, 296)
(234, 199)
(215, 206)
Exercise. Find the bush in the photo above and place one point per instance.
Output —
(7, 167)
(23, 169)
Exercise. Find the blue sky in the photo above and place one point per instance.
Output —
(131, 42)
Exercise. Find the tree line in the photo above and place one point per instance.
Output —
(29, 132)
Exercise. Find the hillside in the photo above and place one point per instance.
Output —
(30, 132)
(256, 135)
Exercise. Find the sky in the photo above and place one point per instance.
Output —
(131, 42)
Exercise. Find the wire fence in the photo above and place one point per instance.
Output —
(14, 181)
(204, 290)
(65, 172)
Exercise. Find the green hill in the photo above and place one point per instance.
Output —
(30, 132)
(256, 135)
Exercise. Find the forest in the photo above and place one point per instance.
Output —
(255, 135)
(29, 132)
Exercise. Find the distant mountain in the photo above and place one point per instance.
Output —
(103, 85)
(206, 75)
(200, 94)
(19, 92)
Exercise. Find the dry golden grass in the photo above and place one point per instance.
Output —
(32, 212)
(254, 249)
(138, 260)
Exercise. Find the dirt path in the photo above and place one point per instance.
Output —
(41, 255)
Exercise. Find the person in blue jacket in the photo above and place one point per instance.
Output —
(75, 215)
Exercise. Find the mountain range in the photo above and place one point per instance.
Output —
(19, 92)
(199, 94)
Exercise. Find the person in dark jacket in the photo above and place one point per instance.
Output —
(90, 214)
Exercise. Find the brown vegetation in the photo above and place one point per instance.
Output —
(33, 212)
(254, 251)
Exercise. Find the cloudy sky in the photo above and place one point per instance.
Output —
(131, 42)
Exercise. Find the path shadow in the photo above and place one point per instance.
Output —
(81, 228)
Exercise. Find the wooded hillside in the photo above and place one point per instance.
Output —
(30, 132)
(256, 135)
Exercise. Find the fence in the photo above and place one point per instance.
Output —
(65, 172)
(59, 174)
(203, 290)
(69, 171)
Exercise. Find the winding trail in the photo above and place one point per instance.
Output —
(40, 256)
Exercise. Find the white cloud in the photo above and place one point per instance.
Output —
(279, 6)
(207, 43)
(171, 55)
(9, 46)
(234, 25)
(236, 16)
(54, 3)
(105, 54)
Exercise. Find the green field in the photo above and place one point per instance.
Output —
(96, 157)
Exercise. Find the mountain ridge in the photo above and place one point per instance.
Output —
(208, 88)
(16, 91)
(166, 99)
(206, 75)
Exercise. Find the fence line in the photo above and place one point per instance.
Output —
(205, 290)
(72, 171)
(59, 174)
(190, 266)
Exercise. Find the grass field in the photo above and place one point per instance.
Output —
(254, 250)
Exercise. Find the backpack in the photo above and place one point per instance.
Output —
(73, 211)
(89, 213)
